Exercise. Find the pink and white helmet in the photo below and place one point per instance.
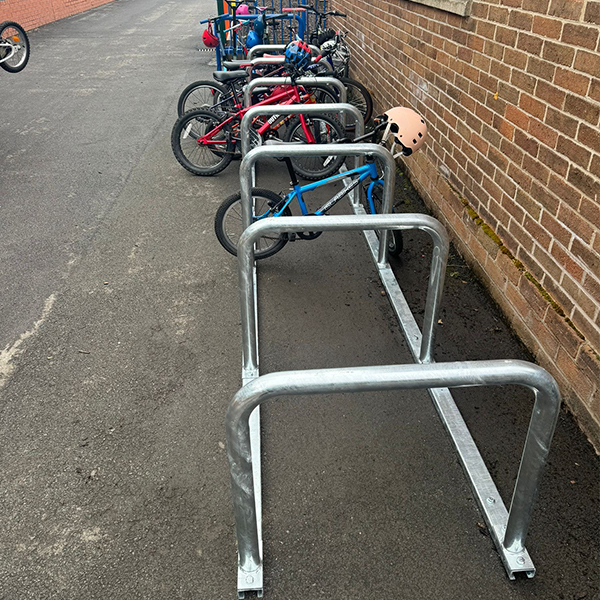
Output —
(242, 9)
(408, 129)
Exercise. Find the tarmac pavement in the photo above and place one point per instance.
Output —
(121, 328)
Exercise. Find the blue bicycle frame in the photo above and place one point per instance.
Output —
(369, 170)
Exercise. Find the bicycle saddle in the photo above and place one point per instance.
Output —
(233, 65)
(223, 76)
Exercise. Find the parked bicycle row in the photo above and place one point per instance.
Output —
(206, 137)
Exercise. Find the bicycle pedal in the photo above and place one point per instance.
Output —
(291, 237)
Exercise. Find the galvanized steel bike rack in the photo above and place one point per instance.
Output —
(508, 530)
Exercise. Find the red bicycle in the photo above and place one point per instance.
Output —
(206, 141)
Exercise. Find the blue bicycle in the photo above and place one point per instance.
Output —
(408, 130)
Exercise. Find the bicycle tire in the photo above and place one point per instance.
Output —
(395, 243)
(358, 95)
(326, 130)
(200, 95)
(229, 227)
(23, 58)
(198, 159)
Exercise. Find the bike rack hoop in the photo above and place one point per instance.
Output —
(262, 48)
(394, 377)
(308, 81)
(358, 149)
(338, 223)
(296, 109)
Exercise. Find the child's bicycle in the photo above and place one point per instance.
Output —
(14, 47)
(408, 130)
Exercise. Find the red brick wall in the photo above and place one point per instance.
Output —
(34, 13)
(512, 165)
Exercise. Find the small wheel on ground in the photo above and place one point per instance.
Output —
(13, 36)
(229, 225)
(201, 158)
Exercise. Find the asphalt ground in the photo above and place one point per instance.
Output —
(120, 323)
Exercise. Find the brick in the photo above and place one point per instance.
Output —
(583, 301)
(542, 132)
(586, 255)
(556, 163)
(529, 43)
(526, 143)
(566, 9)
(558, 53)
(554, 227)
(520, 177)
(559, 296)
(572, 81)
(515, 58)
(512, 151)
(504, 127)
(582, 108)
(588, 62)
(532, 106)
(549, 266)
(520, 20)
(506, 36)
(579, 35)
(570, 341)
(550, 93)
(578, 154)
(565, 191)
(541, 68)
(592, 13)
(539, 6)
(567, 365)
(574, 222)
(589, 136)
(595, 166)
(498, 158)
(582, 181)
(516, 116)
(526, 202)
(588, 361)
(545, 198)
(564, 259)
(498, 14)
(537, 303)
(548, 28)
(523, 81)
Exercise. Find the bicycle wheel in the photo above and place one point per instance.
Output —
(358, 95)
(14, 35)
(325, 130)
(229, 227)
(203, 94)
(395, 242)
(209, 158)
(322, 94)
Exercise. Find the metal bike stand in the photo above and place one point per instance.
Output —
(380, 378)
(515, 558)
(262, 48)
